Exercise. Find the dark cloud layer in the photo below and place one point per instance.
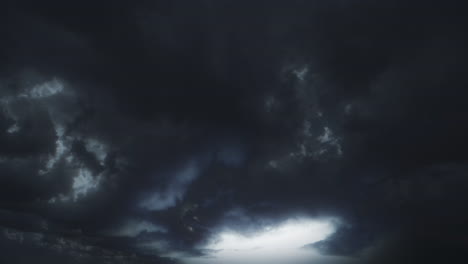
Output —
(134, 131)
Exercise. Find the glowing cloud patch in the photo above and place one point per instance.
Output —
(84, 182)
(284, 241)
(13, 129)
(46, 89)
(291, 234)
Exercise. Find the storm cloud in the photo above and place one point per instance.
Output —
(210, 131)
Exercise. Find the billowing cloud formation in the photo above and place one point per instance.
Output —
(138, 131)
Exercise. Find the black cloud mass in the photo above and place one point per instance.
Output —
(177, 131)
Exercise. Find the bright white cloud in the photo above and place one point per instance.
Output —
(272, 244)
(291, 234)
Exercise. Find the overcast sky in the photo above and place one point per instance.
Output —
(229, 132)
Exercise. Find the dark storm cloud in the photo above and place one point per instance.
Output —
(134, 129)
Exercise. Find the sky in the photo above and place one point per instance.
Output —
(228, 132)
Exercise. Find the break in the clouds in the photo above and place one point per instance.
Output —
(203, 132)
(281, 242)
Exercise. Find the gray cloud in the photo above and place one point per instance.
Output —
(139, 129)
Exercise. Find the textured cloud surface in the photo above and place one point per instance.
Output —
(233, 132)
